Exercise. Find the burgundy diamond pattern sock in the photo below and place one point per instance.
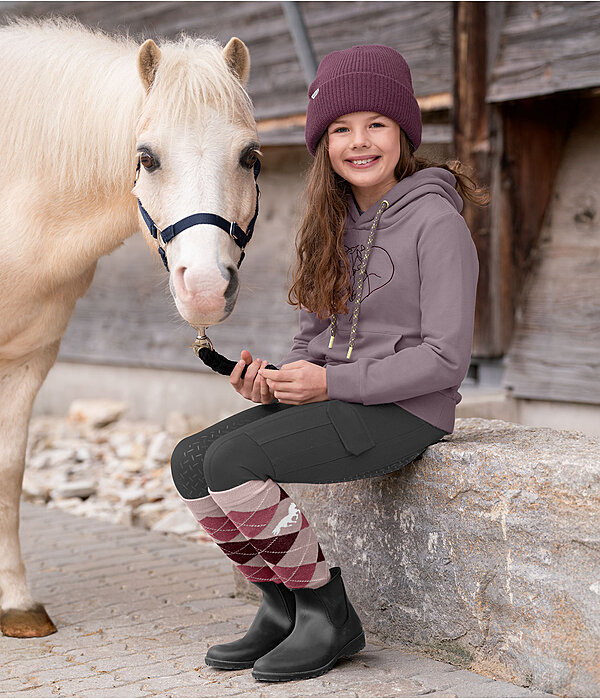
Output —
(265, 514)
(231, 541)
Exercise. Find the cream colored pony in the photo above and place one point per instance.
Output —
(78, 109)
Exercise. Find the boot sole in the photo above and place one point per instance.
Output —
(349, 650)
(228, 665)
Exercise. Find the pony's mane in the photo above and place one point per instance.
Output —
(72, 96)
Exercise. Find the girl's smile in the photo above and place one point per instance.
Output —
(364, 148)
(365, 162)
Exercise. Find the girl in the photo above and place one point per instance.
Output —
(382, 232)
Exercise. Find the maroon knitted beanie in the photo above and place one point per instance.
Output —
(369, 78)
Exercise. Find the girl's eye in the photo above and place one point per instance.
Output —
(339, 129)
(248, 158)
(377, 124)
(147, 160)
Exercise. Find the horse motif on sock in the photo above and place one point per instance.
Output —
(289, 519)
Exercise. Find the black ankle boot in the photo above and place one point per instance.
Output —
(272, 624)
(327, 628)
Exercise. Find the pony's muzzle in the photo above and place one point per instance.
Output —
(205, 293)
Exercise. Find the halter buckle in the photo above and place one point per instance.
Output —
(232, 227)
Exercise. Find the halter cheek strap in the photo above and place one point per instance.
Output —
(238, 234)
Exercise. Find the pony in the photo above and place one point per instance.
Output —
(80, 110)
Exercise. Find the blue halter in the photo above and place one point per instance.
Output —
(238, 234)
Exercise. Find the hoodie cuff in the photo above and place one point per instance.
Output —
(343, 382)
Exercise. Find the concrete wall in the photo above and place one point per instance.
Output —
(152, 394)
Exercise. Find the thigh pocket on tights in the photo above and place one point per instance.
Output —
(350, 427)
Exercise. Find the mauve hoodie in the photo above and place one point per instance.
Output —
(415, 329)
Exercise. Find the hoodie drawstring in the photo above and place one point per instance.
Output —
(361, 275)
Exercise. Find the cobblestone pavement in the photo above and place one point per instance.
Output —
(136, 611)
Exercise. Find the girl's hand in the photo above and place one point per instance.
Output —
(297, 382)
(252, 386)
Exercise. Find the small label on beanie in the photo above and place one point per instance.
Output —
(315, 93)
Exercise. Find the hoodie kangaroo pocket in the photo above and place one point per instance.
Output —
(350, 427)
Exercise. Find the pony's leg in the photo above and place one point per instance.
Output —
(20, 381)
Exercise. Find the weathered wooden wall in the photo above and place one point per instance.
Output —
(555, 353)
(546, 47)
(420, 30)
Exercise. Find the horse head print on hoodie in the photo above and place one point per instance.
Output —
(383, 264)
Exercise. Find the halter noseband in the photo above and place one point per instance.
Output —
(238, 234)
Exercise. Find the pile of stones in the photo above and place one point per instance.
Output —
(96, 464)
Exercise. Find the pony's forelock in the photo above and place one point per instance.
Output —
(194, 71)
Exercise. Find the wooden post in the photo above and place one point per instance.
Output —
(470, 120)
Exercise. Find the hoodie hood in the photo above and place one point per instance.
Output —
(427, 181)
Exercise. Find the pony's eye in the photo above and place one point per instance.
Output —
(148, 161)
(248, 158)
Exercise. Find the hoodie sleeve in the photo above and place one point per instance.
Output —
(310, 326)
(448, 272)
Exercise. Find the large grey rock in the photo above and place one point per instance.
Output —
(484, 552)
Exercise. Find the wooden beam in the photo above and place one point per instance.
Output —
(427, 103)
(472, 147)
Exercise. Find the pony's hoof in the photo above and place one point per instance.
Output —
(26, 623)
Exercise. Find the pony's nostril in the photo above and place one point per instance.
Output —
(233, 283)
(227, 272)
(179, 280)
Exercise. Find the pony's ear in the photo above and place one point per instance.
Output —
(147, 61)
(237, 56)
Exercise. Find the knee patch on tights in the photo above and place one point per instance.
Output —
(234, 459)
(187, 470)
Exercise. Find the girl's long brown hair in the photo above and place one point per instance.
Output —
(321, 275)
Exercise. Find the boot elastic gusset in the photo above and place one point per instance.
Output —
(273, 623)
(327, 628)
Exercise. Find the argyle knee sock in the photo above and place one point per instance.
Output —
(231, 541)
(278, 530)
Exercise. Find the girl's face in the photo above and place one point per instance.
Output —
(364, 149)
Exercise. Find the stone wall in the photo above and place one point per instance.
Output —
(484, 552)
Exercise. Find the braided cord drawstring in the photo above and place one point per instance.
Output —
(332, 326)
(384, 205)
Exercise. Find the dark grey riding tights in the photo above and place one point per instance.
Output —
(316, 443)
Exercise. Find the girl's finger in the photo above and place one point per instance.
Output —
(251, 374)
(257, 389)
(265, 391)
(286, 396)
(236, 374)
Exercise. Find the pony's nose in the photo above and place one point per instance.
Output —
(201, 287)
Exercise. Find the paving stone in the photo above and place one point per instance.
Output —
(118, 638)
(40, 691)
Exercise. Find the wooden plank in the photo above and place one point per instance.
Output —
(547, 47)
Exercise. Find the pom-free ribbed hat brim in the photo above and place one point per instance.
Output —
(362, 92)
